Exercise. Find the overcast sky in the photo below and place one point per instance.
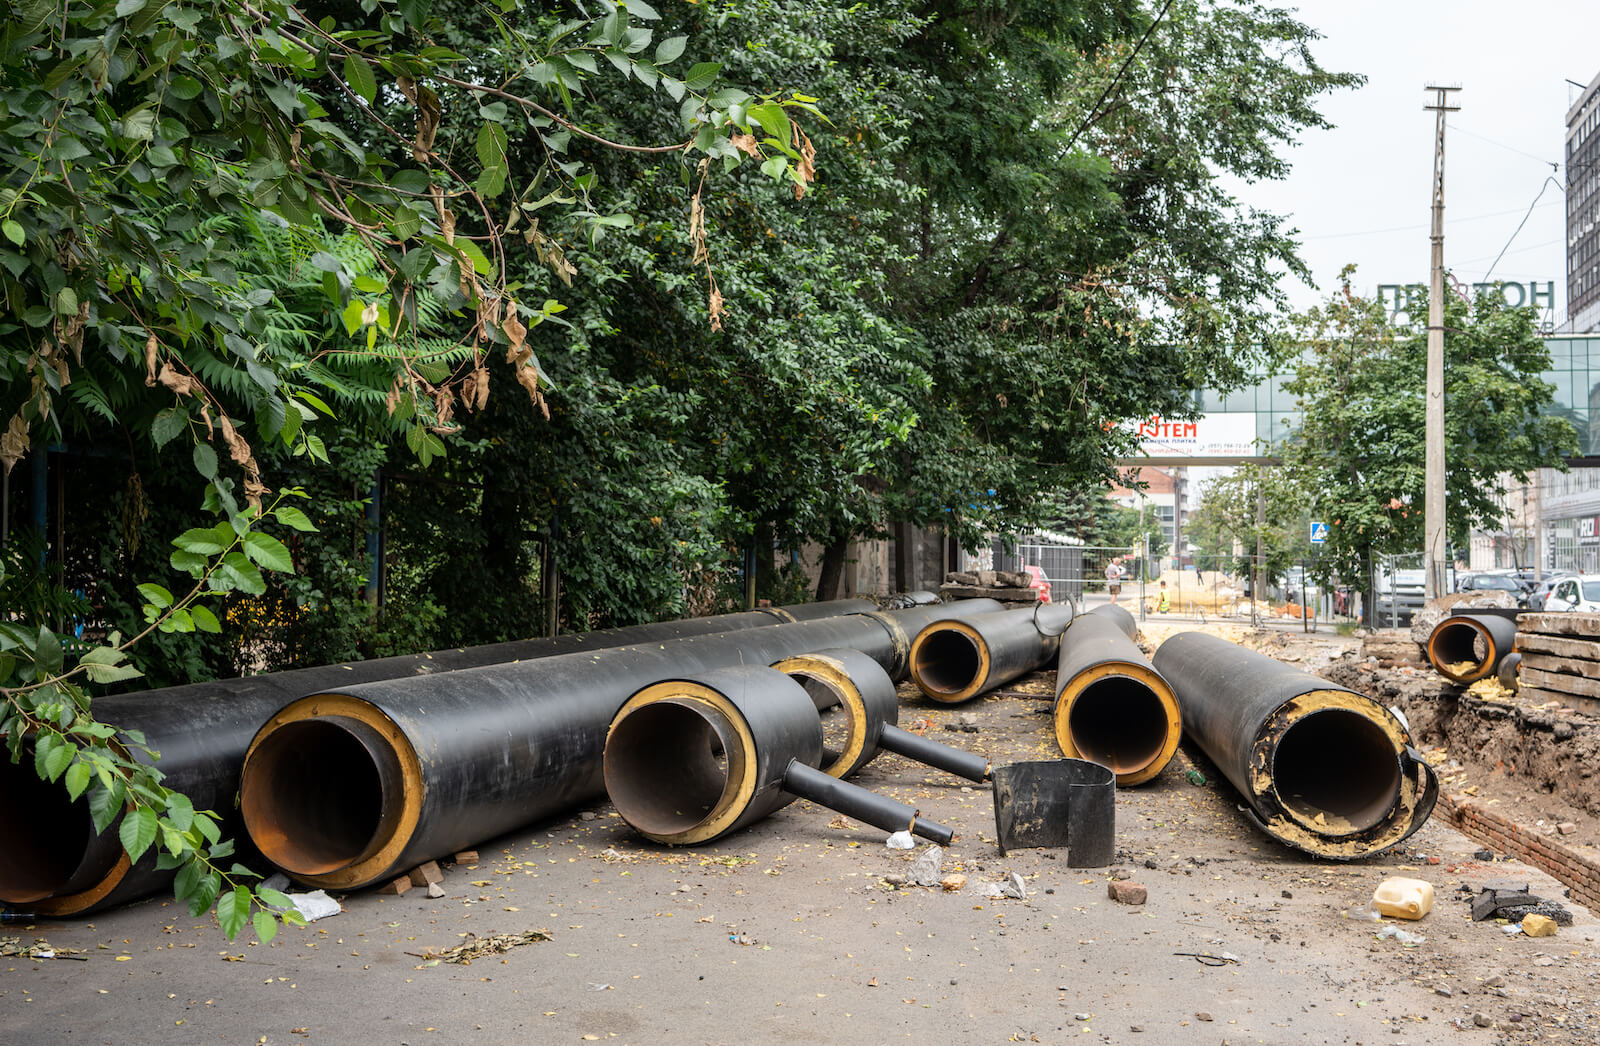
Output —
(1361, 192)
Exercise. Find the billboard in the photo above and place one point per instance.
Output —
(1228, 435)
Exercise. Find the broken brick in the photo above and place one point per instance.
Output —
(1124, 891)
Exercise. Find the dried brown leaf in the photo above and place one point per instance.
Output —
(428, 113)
(746, 143)
(806, 171)
(180, 384)
(238, 449)
(515, 331)
(14, 442)
(150, 359)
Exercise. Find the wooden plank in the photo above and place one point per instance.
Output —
(1561, 684)
(1561, 624)
(1566, 666)
(1005, 595)
(1538, 643)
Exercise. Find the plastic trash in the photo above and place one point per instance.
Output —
(1362, 914)
(925, 869)
(1403, 898)
(1195, 777)
(1410, 940)
(901, 841)
(315, 905)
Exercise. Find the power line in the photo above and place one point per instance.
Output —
(1548, 181)
(1087, 120)
(1414, 228)
(1509, 148)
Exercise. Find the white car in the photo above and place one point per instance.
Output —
(1580, 594)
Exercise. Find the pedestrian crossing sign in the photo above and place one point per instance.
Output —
(1319, 532)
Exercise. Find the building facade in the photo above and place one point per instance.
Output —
(1583, 211)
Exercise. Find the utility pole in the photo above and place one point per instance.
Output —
(1433, 509)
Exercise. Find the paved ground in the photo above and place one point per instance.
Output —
(788, 932)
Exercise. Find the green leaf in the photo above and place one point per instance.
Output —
(236, 571)
(59, 759)
(169, 424)
(491, 145)
(358, 74)
(771, 116)
(205, 620)
(208, 827)
(13, 231)
(702, 76)
(78, 777)
(47, 653)
(180, 811)
(268, 551)
(205, 460)
(156, 595)
(201, 541)
(290, 516)
(266, 926)
(205, 892)
(233, 911)
(670, 49)
(641, 10)
(106, 801)
(138, 831)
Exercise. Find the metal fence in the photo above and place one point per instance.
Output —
(1200, 589)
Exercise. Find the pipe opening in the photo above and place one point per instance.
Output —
(43, 834)
(1120, 723)
(1457, 641)
(319, 795)
(666, 765)
(947, 661)
(838, 726)
(1336, 769)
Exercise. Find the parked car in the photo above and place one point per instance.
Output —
(1581, 594)
(1493, 582)
(1541, 591)
(1039, 581)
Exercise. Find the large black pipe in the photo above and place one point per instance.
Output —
(495, 748)
(1112, 707)
(860, 711)
(1324, 769)
(1467, 647)
(52, 859)
(961, 657)
(692, 759)
(1120, 616)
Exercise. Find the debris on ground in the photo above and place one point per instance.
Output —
(1538, 926)
(900, 841)
(1126, 891)
(498, 944)
(39, 949)
(925, 869)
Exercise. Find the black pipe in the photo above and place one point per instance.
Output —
(499, 746)
(867, 710)
(1123, 619)
(827, 608)
(201, 731)
(1322, 768)
(1112, 707)
(693, 759)
(1510, 671)
(959, 658)
(1466, 647)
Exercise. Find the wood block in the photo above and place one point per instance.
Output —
(1566, 666)
(1561, 684)
(1538, 643)
(467, 857)
(1010, 595)
(423, 874)
(1561, 624)
(397, 886)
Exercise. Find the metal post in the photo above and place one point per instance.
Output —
(374, 544)
(750, 574)
(1434, 500)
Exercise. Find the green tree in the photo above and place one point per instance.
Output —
(1225, 528)
(1358, 457)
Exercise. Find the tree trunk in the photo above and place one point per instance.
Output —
(766, 574)
(831, 575)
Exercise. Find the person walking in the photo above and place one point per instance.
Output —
(1114, 572)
